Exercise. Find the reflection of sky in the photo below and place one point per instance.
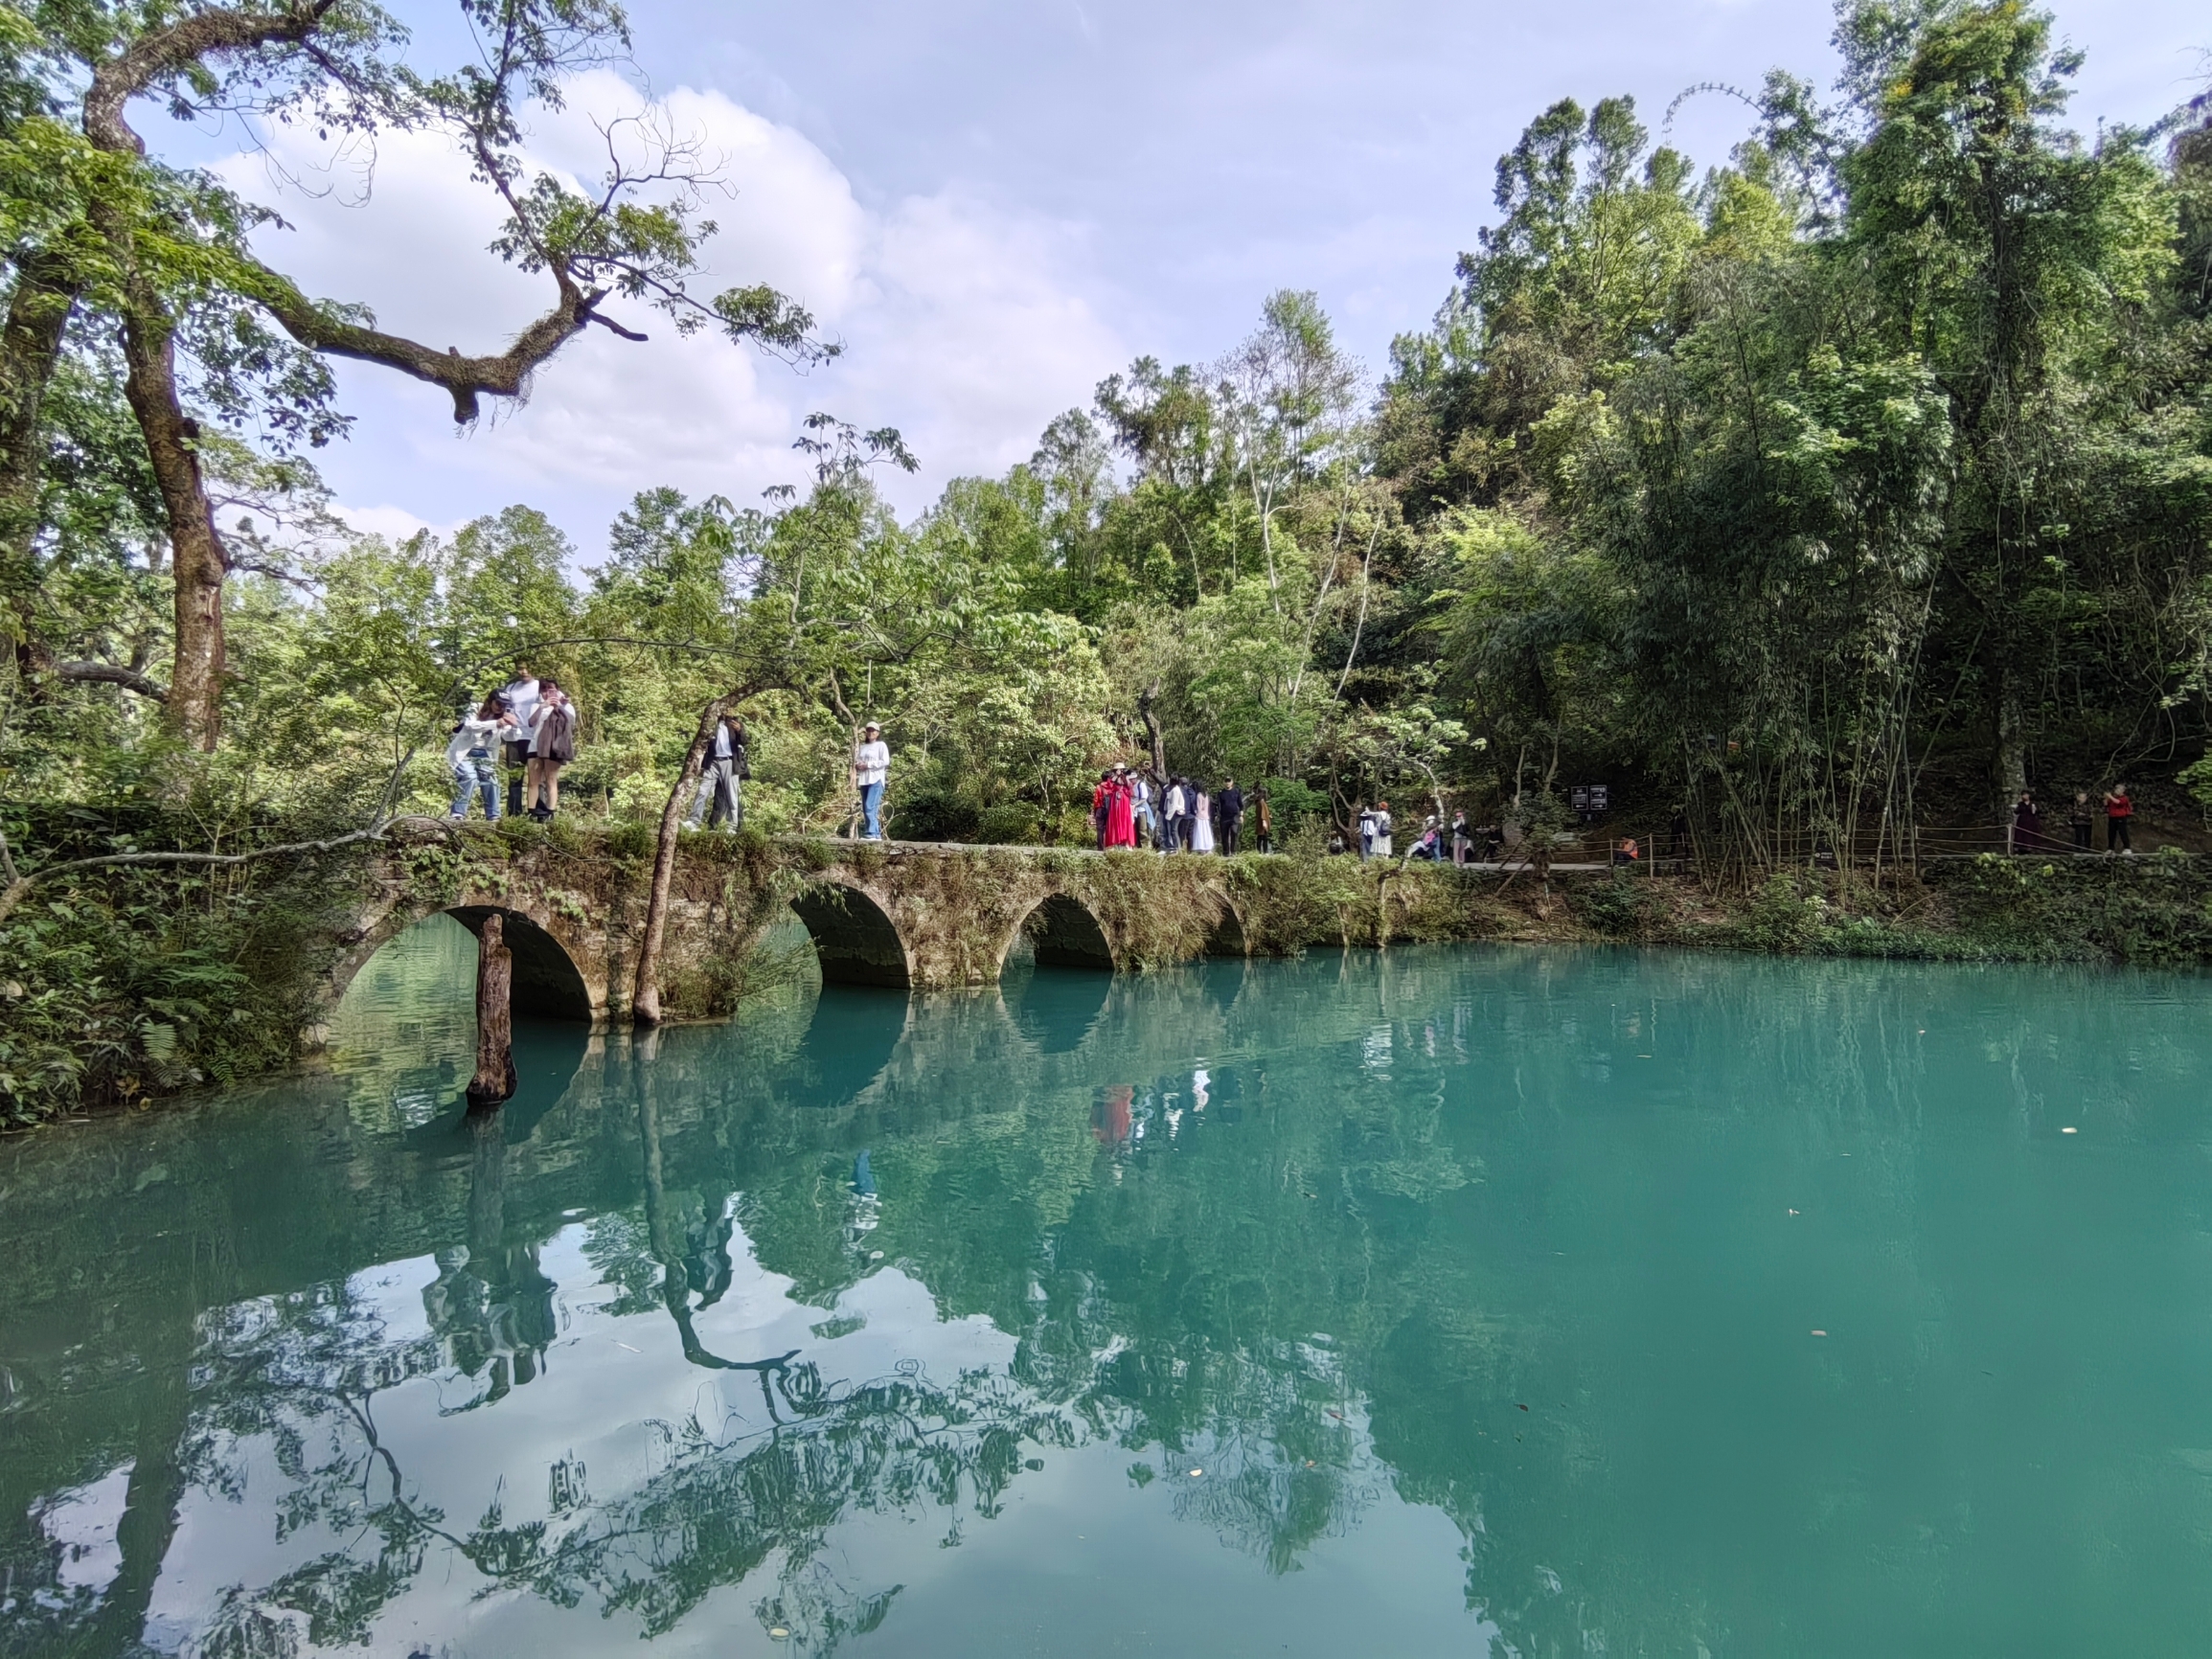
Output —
(80, 1522)
(615, 1408)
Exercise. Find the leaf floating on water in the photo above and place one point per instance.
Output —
(874, 1255)
(778, 1633)
(1196, 1473)
(1820, 1334)
(1793, 1212)
(624, 1346)
(2069, 1129)
(1525, 1408)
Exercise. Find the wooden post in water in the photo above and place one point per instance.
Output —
(494, 1079)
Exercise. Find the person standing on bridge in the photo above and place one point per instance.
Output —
(551, 746)
(1141, 816)
(722, 781)
(1232, 817)
(871, 767)
(472, 757)
(1121, 826)
(521, 694)
(2119, 820)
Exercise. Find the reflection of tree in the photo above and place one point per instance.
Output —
(491, 1303)
(1316, 1303)
(302, 1375)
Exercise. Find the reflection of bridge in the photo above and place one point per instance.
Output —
(903, 915)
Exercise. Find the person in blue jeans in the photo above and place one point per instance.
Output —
(871, 765)
(471, 756)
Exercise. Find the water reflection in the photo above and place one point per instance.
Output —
(1426, 1302)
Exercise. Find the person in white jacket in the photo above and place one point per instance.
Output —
(471, 756)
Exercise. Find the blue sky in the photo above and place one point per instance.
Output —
(995, 203)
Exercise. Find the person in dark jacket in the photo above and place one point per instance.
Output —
(1231, 801)
(2081, 817)
(721, 780)
(2027, 825)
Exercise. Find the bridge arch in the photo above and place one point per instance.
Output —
(857, 942)
(1227, 936)
(1063, 933)
(549, 982)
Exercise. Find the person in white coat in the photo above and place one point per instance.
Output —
(871, 767)
(471, 756)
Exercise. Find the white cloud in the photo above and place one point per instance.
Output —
(967, 326)
(395, 524)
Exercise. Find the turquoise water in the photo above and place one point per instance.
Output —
(1449, 1301)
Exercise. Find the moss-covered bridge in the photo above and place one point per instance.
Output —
(926, 916)
(916, 915)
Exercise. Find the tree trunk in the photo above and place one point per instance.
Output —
(494, 1079)
(2009, 764)
(644, 995)
(1153, 732)
(30, 346)
(197, 563)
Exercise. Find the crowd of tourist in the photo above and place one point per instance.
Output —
(529, 724)
(1133, 808)
(2117, 808)
(527, 729)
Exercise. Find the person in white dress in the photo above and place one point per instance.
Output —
(1201, 820)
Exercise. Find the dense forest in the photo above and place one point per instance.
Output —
(1841, 488)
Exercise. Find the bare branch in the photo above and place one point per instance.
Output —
(112, 675)
(22, 884)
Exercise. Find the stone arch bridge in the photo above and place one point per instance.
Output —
(922, 916)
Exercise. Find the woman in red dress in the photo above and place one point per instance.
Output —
(1121, 817)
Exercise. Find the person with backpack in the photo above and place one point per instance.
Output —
(721, 780)
(1383, 831)
(472, 754)
(551, 746)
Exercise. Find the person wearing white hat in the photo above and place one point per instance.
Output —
(871, 765)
